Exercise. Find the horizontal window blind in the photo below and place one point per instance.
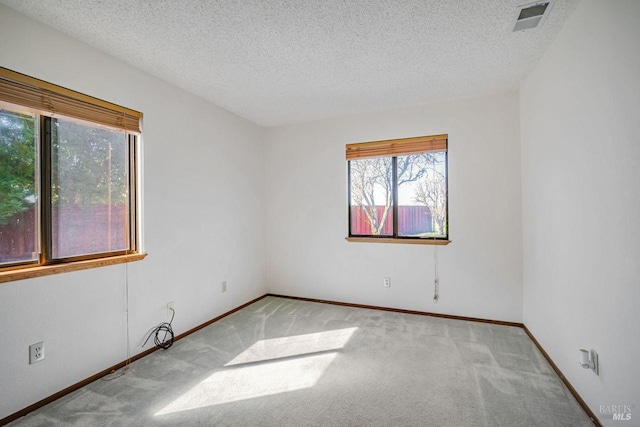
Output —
(27, 91)
(397, 147)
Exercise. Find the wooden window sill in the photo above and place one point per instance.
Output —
(46, 270)
(400, 241)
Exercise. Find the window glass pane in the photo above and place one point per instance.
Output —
(422, 195)
(18, 187)
(372, 196)
(89, 189)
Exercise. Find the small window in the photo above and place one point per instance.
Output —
(398, 190)
(68, 178)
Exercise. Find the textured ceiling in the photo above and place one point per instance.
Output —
(286, 61)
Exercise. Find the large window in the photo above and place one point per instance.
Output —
(398, 190)
(68, 179)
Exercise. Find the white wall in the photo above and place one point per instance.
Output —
(203, 197)
(208, 181)
(306, 196)
(580, 113)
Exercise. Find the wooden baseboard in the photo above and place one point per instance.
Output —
(120, 365)
(114, 368)
(400, 310)
(573, 391)
(564, 379)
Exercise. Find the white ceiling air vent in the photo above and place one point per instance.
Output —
(531, 15)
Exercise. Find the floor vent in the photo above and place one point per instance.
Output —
(532, 15)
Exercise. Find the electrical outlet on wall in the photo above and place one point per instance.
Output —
(36, 352)
(224, 286)
(387, 282)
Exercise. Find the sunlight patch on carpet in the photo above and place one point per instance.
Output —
(277, 348)
(305, 358)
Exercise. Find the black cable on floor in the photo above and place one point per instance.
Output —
(162, 327)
